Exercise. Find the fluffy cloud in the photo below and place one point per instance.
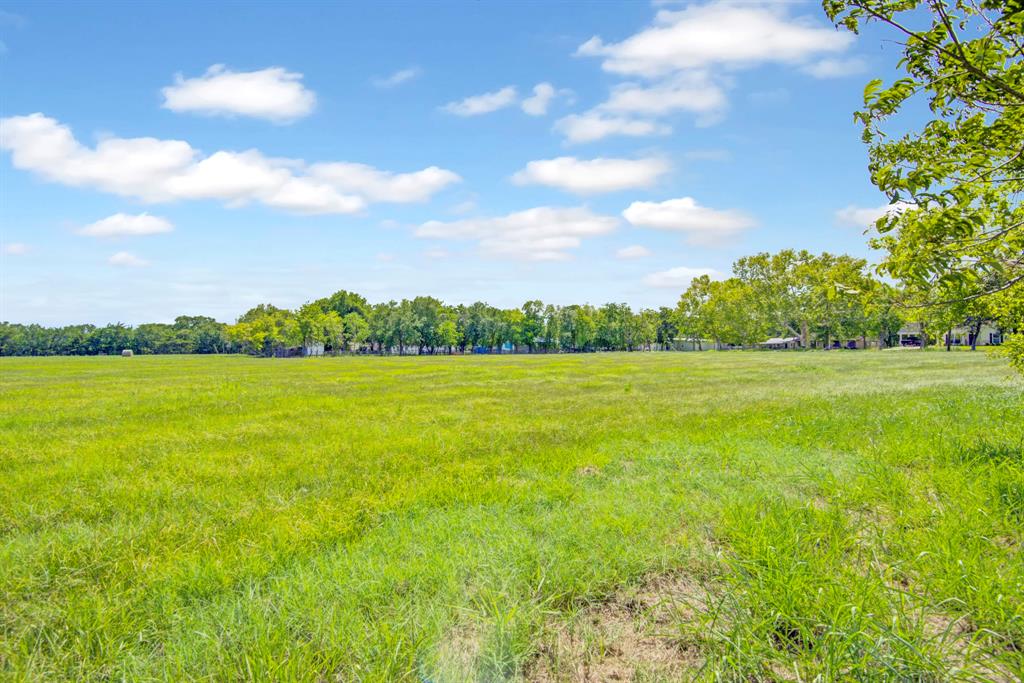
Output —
(543, 95)
(678, 278)
(717, 34)
(155, 170)
(632, 107)
(134, 167)
(16, 248)
(540, 234)
(274, 94)
(398, 78)
(686, 57)
(537, 105)
(483, 104)
(836, 68)
(701, 225)
(125, 225)
(594, 175)
(383, 186)
(127, 260)
(692, 91)
(593, 125)
(633, 251)
(865, 217)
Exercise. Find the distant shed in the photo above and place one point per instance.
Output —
(778, 343)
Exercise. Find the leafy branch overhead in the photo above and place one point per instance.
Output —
(957, 230)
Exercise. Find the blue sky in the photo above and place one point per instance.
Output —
(166, 159)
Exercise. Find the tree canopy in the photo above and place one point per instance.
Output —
(955, 231)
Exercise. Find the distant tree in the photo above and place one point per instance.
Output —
(263, 330)
(645, 328)
(428, 313)
(612, 323)
(406, 328)
(668, 327)
(205, 334)
(884, 316)
(355, 331)
(448, 332)
(343, 303)
(531, 328)
(781, 290)
(111, 339)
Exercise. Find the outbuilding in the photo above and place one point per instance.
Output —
(779, 343)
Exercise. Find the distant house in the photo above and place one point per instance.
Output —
(314, 349)
(781, 343)
(988, 335)
(856, 343)
(911, 334)
(688, 344)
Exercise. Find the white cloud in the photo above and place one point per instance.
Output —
(678, 278)
(123, 225)
(836, 68)
(594, 175)
(134, 167)
(690, 91)
(593, 125)
(543, 95)
(485, 103)
(155, 170)
(537, 105)
(687, 56)
(304, 196)
(724, 34)
(464, 207)
(398, 78)
(540, 234)
(701, 225)
(865, 217)
(274, 94)
(633, 251)
(16, 248)
(383, 186)
(127, 260)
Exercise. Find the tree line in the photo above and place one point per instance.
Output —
(821, 299)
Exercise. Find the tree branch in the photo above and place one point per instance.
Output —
(1005, 87)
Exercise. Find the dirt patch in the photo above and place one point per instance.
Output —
(457, 655)
(635, 635)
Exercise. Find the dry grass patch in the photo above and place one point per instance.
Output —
(632, 636)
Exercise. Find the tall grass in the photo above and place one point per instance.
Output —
(850, 515)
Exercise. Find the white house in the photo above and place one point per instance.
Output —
(988, 335)
(911, 334)
(313, 349)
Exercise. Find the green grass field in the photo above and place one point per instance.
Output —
(649, 516)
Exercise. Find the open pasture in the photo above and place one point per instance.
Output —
(652, 516)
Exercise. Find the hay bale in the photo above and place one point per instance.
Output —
(127, 353)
